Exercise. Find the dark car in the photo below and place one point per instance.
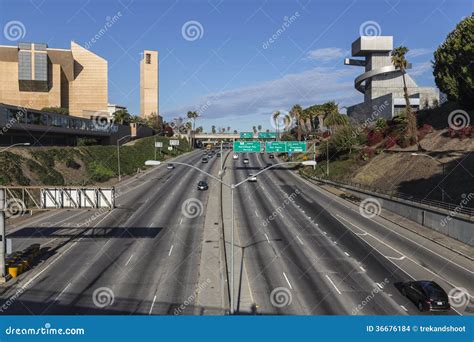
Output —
(218, 154)
(170, 166)
(202, 185)
(204, 160)
(271, 156)
(426, 295)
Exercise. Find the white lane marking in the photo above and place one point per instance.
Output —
(299, 239)
(256, 213)
(325, 233)
(363, 269)
(379, 285)
(335, 242)
(346, 253)
(289, 284)
(393, 258)
(152, 305)
(267, 237)
(171, 249)
(180, 222)
(332, 283)
(60, 293)
(404, 308)
(128, 261)
(363, 231)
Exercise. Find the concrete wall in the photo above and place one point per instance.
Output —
(149, 84)
(459, 228)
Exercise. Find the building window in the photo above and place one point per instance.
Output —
(148, 58)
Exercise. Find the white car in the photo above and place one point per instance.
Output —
(252, 178)
(246, 161)
(235, 156)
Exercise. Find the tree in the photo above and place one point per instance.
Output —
(122, 116)
(228, 128)
(154, 121)
(400, 62)
(57, 110)
(213, 129)
(453, 66)
(254, 128)
(295, 113)
(235, 131)
(259, 127)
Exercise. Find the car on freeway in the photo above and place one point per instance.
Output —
(252, 178)
(246, 160)
(426, 295)
(204, 160)
(218, 154)
(271, 156)
(202, 185)
(170, 166)
(235, 156)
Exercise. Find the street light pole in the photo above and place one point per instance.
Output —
(118, 156)
(18, 144)
(232, 187)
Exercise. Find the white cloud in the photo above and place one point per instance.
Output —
(419, 69)
(315, 85)
(419, 52)
(326, 54)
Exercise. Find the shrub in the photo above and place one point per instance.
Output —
(99, 172)
(366, 153)
(374, 137)
(424, 130)
(462, 133)
(390, 142)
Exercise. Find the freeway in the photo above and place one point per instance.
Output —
(300, 251)
(327, 258)
(145, 252)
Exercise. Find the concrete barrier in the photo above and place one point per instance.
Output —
(450, 223)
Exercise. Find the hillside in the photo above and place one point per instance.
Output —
(78, 165)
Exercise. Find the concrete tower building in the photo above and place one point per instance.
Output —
(382, 83)
(149, 83)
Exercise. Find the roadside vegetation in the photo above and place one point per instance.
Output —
(80, 165)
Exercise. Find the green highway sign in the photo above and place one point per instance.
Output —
(296, 146)
(267, 135)
(246, 146)
(275, 146)
(246, 135)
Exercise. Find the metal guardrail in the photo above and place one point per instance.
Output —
(459, 209)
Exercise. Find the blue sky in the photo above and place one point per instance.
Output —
(230, 71)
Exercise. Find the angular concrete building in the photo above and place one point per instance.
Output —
(35, 76)
(149, 84)
(382, 83)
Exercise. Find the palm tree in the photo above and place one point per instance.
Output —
(275, 116)
(228, 128)
(400, 62)
(235, 131)
(287, 121)
(213, 129)
(295, 113)
(259, 127)
(254, 128)
(122, 116)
